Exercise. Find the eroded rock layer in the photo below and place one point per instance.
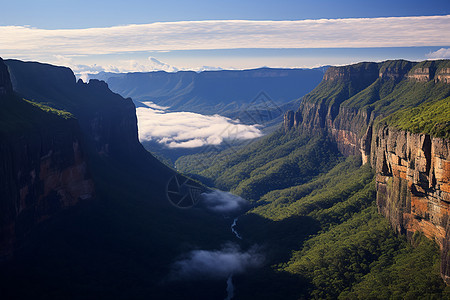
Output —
(413, 169)
(413, 185)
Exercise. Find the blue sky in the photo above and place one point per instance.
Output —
(58, 14)
(92, 36)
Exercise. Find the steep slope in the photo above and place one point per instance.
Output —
(43, 166)
(408, 150)
(107, 120)
(215, 92)
(349, 99)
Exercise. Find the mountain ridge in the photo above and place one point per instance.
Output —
(209, 92)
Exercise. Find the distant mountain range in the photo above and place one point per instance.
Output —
(223, 92)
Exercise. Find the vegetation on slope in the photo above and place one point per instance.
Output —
(20, 116)
(430, 117)
(349, 242)
(63, 114)
(324, 236)
(363, 258)
(386, 96)
(275, 162)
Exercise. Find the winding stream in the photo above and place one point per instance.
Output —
(230, 286)
(233, 229)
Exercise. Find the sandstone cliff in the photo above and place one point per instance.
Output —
(413, 169)
(413, 185)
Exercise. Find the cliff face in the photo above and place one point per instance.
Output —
(44, 156)
(413, 185)
(413, 170)
(107, 121)
(443, 75)
(43, 168)
(41, 175)
(350, 98)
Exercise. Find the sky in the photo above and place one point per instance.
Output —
(137, 35)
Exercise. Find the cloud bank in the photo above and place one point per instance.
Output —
(124, 66)
(223, 202)
(189, 130)
(216, 264)
(21, 41)
(443, 53)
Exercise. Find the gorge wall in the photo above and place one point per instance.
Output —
(107, 121)
(43, 167)
(55, 150)
(413, 185)
(412, 169)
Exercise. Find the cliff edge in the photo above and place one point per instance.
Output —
(396, 116)
(43, 165)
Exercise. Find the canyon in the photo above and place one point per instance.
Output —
(82, 192)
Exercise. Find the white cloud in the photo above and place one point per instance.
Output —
(19, 41)
(216, 264)
(124, 66)
(120, 66)
(223, 202)
(190, 130)
(157, 65)
(443, 53)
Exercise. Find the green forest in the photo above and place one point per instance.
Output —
(326, 237)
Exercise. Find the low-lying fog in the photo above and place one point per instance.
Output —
(189, 130)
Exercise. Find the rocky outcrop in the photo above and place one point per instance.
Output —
(350, 130)
(359, 72)
(107, 121)
(421, 74)
(443, 75)
(346, 124)
(413, 185)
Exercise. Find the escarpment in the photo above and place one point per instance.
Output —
(58, 142)
(349, 99)
(413, 185)
(107, 121)
(43, 166)
(412, 168)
